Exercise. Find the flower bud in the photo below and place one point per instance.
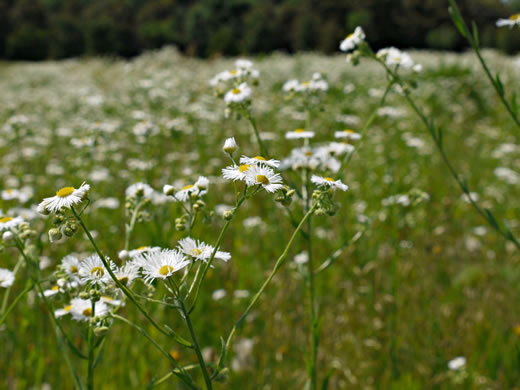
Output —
(84, 295)
(100, 330)
(123, 255)
(168, 190)
(228, 215)
(7, 236)
(230, 146)
(55, 235)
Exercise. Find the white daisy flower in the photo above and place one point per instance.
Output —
(127, 273)
(292, 85)
(352, 40)
(52, 291)
(347, 134)
(6, 278)
(199, 250)
(299, 134)
(339, 148)
(63, 311)
(329, 182)
(7, 223)
(235, 172)
(238, 94)
(70, 265)
(513, 20)
(264, 176)
(457, 363)
(142, 189)
(92, 270)
(163, 264)
(393, 56)
(260, 161)
(64, 198)
(200, 188)
(139, 251)
(243, 63)
(81, 309)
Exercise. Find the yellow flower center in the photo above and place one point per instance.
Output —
(143, 247)
(73, 269)
(233, 72)
(349, 131)
(55, 288)
(65, 191)
(196, 252)
(107, 298)
(514, 17)
(97, 271)
(165, 270)
(187, 187)
(243, 168)
(235, 91)
(262, 179)
(260, 158)
(308, 154)
(87, 312)
(329, 179)
(67, 308)
(9, 191)
(349, 35)
(299, 131)
(306, 83)
(5, 219)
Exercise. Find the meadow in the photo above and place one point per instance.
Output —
(412, 277)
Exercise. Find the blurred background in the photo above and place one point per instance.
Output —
(52, 29)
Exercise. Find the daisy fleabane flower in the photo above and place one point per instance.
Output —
(329, 182)
(393, 56)
(7, 223)
(199, 250)
(70, 265)
(235, 172)
(162, 264)
(513, 20)
(299, 134)
(66, 197)
(199, 188)
(92, 270)
(238, 94)
(230, 146)
(347, 134)
(352, 40)
(81, 309)
(127, 273)
(265, 177)
(6, 278)
(259, 161)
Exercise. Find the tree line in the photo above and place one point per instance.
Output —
(42, 29)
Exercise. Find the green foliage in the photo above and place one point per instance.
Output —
(207, 27)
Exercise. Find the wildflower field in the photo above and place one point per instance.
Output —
(327, 245)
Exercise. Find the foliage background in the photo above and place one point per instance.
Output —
(40, 29)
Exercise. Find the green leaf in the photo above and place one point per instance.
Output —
(491, 219)
(457, 18)
(325, 383)
(500, 86)
(475, 34)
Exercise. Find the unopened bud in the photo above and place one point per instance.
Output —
(230, 146)
(55, 235)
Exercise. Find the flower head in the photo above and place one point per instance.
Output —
(199, 250)
(238, 94)
(65, 197)
(259, 161)
(513, 20)
(347, 134)
(265, 177)
(7, 223)
(81, 309)
(329, 182)
(92, 270)
(299, 134)
(162, 264)
(6, 278)
(230, 146)
(352, 40)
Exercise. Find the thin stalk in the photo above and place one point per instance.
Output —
(8, 290)
(125, 289)
(196, 347)
(14, 303)
(437, 137)
(215, 249)
(130, 227)
(91, 349)
(263, 148)
(179, 371)
(257, 296)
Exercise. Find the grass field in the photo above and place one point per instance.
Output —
(421, 285)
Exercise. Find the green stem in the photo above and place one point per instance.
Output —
(215, 249)
(179, 371)
(263, 148)
(16, 300)
(125, 289)
(91, 349)
(133, 220)
(8, 291)
(196, 346)
(257, 296)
